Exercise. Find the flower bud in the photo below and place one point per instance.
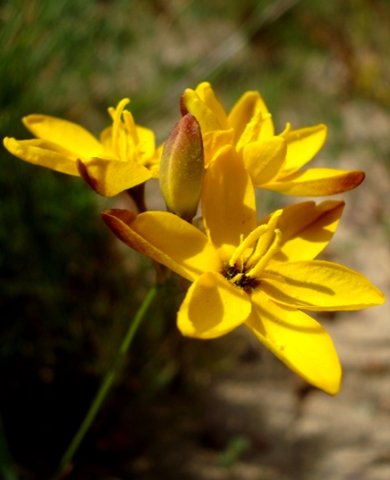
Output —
(182, 168)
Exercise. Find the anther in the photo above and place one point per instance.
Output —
(255, 271)
(246, 243)
(265, 240)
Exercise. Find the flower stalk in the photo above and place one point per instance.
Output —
(105, 386)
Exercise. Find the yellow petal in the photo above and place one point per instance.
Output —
(206, 117)
(146, 142)
(243, 112)
(228, 200)
(212, 307)
(302, 145)
(106, 138)
(165, 238)
(298, 341)
(317, 181)
(319, 285)
(306, 229)
(66, 134)
(263, 160)
(108, 176)
(153, 163)
(214, 141)
(43, 153)
(206, 93)
(252, 131)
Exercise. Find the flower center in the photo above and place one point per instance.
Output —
(124, 137)
(240, 279)
(253, 254)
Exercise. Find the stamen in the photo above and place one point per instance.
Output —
(286, 130)
(240, 279)
(255, 271)
(246, 243)
(111, 112)
(117, 114)
(130, 126)
(237, 277)
(253, 253)
(265, 240)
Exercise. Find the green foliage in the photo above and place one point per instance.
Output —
(236, 447)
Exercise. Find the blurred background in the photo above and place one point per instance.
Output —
(182, 409)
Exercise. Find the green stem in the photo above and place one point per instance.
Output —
(105, 385)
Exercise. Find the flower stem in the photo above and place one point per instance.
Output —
(105, 386)
(137, 193)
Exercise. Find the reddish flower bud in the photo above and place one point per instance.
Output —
(182, 168)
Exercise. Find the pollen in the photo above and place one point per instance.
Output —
(240, 279)
(251, 257)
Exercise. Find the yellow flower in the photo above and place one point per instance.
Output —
(124, 157)
(274, 162)
(261, 276)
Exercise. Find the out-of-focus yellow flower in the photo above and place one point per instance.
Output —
(262, 276)
(124, 157)
(274, 162)
(182, 168)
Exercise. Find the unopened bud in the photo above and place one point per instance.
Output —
(182, 168)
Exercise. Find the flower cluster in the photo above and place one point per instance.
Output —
(125, 155)
(243, 271)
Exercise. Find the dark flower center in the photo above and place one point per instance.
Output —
(240, 279)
